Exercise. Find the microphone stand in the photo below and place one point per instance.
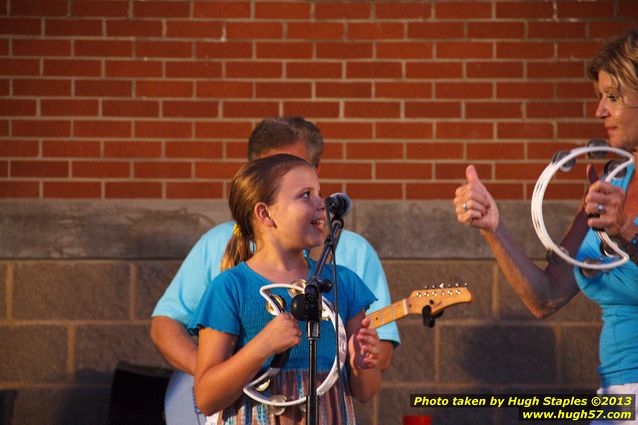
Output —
(312, 312)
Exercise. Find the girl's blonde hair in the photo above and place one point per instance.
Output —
(255, 182)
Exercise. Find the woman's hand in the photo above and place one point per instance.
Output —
(364, 346)
(280, 334)
(474, 204)
(605, 204)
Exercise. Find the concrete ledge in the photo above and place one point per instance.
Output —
(104, 229)
(167, 229)
(429, 229)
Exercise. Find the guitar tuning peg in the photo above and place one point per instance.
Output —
(441, 285)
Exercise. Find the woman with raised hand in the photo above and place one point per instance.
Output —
(612, 207)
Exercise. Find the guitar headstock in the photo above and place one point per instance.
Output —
(438, 297)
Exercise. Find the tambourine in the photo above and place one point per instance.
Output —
(564, 161)
(274, 304)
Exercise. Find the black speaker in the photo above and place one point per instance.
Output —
(137, 395)
(7, 398)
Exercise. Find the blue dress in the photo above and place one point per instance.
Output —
(232, 304)
(616, 291)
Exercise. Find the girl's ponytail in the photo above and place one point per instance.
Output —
(238, 249)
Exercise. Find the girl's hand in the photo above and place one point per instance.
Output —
(280, 334)
(364, 347)
(474, 204)
(605, 204)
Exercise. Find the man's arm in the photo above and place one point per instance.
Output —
(174, 343)
(176, 307)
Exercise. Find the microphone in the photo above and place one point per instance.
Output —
(338, 204)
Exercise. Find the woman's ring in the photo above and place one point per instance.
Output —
(600, 208)
(464, 206)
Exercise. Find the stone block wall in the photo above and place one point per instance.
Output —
(79, 279)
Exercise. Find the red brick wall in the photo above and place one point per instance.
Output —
(154, 99)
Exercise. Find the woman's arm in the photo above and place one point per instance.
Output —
(220, 375)
(544, 291)
(363, 349)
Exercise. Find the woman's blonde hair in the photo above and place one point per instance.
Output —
(619, 59)
(255, 182)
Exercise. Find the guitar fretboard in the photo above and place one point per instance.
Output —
(389, 314)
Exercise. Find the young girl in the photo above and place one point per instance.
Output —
(276, 204)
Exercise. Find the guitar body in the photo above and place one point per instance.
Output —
(179, 402)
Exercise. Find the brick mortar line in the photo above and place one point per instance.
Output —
(70, 346)
(71, 322)
(85, 260)
(21, 385)
(437, 354)
(465, 385)
(448, 260)
(146, 260)
(89, 260)
(531, 322)
(496, 311)
(375, 410)
(132, 291)
(558, 335)
(9, 292)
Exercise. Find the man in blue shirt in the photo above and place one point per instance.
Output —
(173, 312)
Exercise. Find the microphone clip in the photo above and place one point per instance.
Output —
(308, 306)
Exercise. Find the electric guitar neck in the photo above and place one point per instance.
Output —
(437, 298)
